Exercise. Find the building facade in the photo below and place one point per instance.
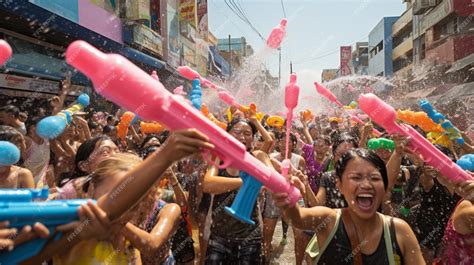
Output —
(380, 48)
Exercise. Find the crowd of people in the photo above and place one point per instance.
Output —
(358, 206)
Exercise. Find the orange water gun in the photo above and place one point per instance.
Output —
(124, 123)
(439, 138)
(206, 113)
(151, 127)
(420, 119)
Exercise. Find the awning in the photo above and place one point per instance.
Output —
(139, 56)
(461, 63)
(222, 64)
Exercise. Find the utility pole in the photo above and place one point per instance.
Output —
(291, 67)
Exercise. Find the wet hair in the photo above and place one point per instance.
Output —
(32, 122)
(293, 138)
(92, 124)
(150, 150)
(235, 121)
(12, 110)
(83, 153)
(343, 138)
(108, 129)
(8, 133)
(368, 156)
(147, 139)
(324, 138)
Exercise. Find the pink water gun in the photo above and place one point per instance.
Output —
(5, 52)
(190, 74)
(331, 97)
(277, 35)
(386, 116)
(292, 91)
(113, 76)
(230, 100)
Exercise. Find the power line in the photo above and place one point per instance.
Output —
(242, 16)
(326, 54)
(283, 7)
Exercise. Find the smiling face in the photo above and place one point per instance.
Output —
(243, 133)
(363, 187)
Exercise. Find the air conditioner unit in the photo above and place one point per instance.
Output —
(420, 6)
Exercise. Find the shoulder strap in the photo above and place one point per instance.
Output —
(388, 239)
(351, 232)
(313, 247)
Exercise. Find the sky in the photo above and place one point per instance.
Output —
(315, 30)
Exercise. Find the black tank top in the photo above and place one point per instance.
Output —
(228, 227)
(339, 250)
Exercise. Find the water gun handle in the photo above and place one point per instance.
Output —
(28, 249)
(244, 202)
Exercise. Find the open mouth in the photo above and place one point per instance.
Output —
(365, 201)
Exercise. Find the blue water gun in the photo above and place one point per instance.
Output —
(20, 207)
(9, 153)
(452, 132)
(53, 126)
(466, 162)
(196, 94)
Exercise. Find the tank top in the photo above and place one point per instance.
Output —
(226, 226)
(37, 160)
(294, 159)
(457, 248)
(339, 251)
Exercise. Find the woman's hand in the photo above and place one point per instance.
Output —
(93, 223)
(281, 198)
(183, 143)
(401, 142)
(466, 190)
(9, 237)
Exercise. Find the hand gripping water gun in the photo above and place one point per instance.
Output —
(230, 100)
(386, 116)
(276, 36)
(190, 74)
(196, 94)
(466, 162)
(452, 132)
(211, 117)
(381, 143)
(5, 52)
(307, 115)
(275, 121)
(19, 208)
(53, 126)
(420, 119)
(9, 153)
(160, 105)
(292, 91)
(331, 97)
(151, 127)
(124, 124)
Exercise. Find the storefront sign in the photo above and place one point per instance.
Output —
(34, 85)
(144, 37)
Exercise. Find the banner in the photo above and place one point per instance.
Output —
(174, 45)
(138, 10)
(187, 18)
(346, 59)
(202, 26)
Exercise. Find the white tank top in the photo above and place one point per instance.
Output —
(294, 159)
(37, 160)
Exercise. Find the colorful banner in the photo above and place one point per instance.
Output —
(144, 37)
(202, 26)
(187, 18)
(202, 52)
(174, 45)
(96, 16)
(346, 59)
